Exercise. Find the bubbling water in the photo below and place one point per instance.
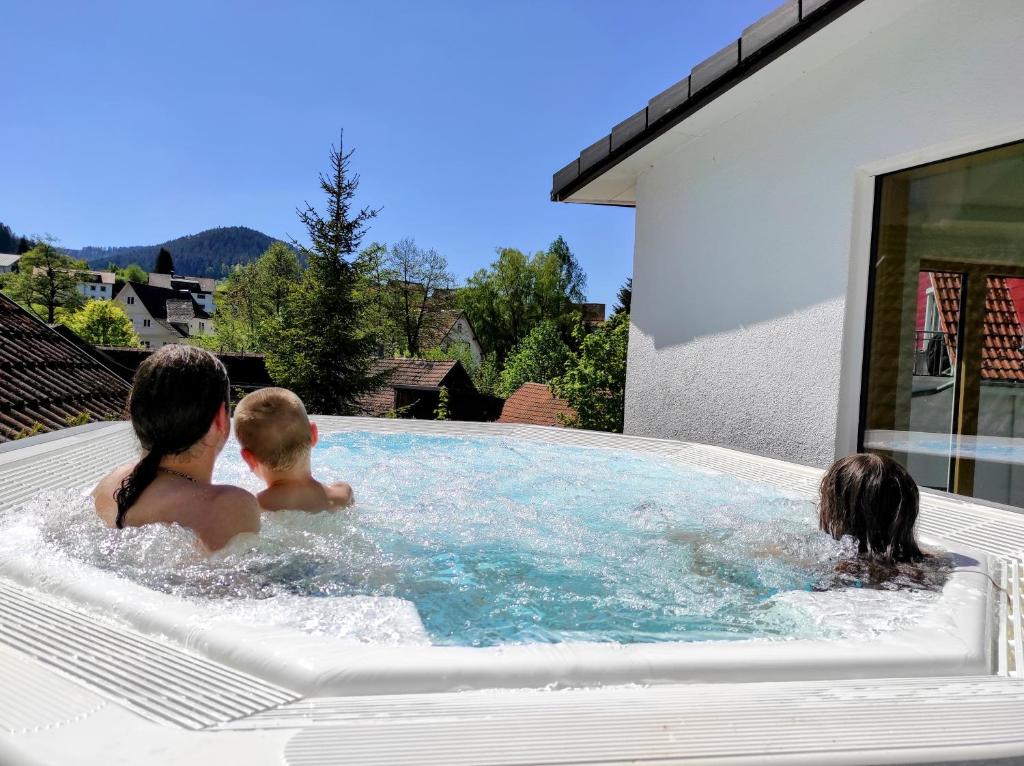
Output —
(497, 541)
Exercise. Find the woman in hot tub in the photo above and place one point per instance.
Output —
(179, 412)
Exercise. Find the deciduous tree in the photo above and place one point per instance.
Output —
(517, 292)
(540, 358)
(595, 385)
(47, 281)
(102, 323)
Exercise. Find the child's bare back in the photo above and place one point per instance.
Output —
(305, 495)
(277, 440)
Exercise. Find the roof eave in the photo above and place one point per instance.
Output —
(671, 107)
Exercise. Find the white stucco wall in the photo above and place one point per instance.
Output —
(744, 228)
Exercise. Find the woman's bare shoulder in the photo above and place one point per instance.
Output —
(108, 484)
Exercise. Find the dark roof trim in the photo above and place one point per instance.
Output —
(760, 44)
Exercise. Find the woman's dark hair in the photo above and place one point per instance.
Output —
(871, 498)
(175, 396)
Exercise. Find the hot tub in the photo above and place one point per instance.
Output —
(521, 496)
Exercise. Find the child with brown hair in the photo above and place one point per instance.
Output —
(277, 438)
(873, 499)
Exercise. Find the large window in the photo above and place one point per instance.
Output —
(944, 388)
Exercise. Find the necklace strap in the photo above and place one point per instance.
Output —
(179, 474)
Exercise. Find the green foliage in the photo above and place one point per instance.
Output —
(24, 433)
(517, 292)
(12, 243)
(408, 294)
(102, 323)
(133, 272)
(78, 420)
(595, 385)
(484, 374)
(47, 280)
(164, 262)
(251, 298)
(442, 413)
(210, 253)
(624, 298)
(319, 345)
(540, 358)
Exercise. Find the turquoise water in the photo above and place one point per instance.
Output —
(480, 542)
(498, 541)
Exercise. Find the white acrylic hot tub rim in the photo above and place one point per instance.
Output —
(954, 638)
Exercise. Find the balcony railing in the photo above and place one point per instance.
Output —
(931, 353)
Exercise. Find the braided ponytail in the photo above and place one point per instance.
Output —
(132, 486)
(176, 394)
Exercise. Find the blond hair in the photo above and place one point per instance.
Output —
(273, 425)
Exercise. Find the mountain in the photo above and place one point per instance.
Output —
(210, 253)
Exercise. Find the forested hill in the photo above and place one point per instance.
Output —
(209, 253)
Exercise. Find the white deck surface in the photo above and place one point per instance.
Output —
(81, 689)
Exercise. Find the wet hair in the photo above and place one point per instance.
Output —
(273, 425)
(873, 499)
(175, 396)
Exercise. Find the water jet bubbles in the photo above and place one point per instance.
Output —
(488, 541)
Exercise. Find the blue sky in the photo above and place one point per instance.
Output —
(133, 123)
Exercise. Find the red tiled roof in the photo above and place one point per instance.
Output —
(46, 379)
(534, 404)
(1002, 357)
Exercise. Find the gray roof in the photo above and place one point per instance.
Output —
(9, 259)
(761, 42)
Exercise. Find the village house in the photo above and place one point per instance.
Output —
(413, 390)
(454, 327)
(96, 285)
(161, 315)
(201, 288)
(8, 262)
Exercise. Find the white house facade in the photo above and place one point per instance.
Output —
(789, 196)
(461, 331)
(96, 285)
(8, 262)
(161, 316)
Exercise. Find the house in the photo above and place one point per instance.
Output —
(48, 382)
(453, 327)
(8, 262)
(96, 285)
(161, 315)
(591, 314)
(201, 288)
(92, 285)
(788, 193)
(413, 390)
(247, 372)
(534, 404)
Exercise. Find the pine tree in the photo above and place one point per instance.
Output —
(624, 298)
(164, 263)
(24, 245)
(318, 346)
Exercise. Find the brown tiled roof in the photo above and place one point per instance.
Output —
(404, 373)
(1002, 357)
(48, 380)
(534, 404)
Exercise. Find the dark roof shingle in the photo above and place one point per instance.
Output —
(155, 300)
(47, 380)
